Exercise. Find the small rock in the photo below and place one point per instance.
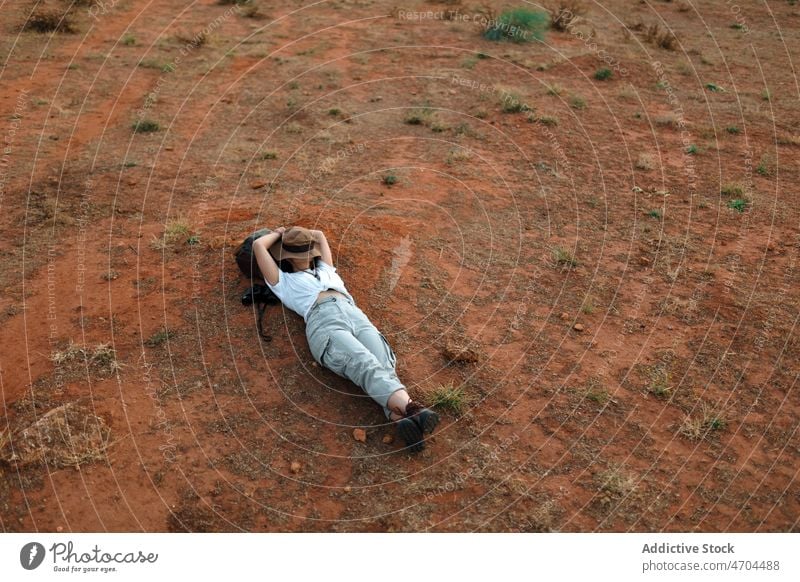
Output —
(564, 315)
(295, 467)
(60, 528)
(360, 435)
(256, 184)
(577, 327)
(347, 489)
(388, 439)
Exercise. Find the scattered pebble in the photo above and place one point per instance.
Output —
(256, 184)
(296, 466)
(388, 439)
(565, 316)
(360, 435)
(577, 327)
(347, 489)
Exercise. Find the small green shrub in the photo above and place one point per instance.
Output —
(691, 150)
(603, 74)
(145, 126)
(732, 129)
(389, 179)
(518, 25)
(738, 204)
(654, 214)
(714, 88)
(129, 40)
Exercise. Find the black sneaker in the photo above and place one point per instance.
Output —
(425, 418)
(411, 434)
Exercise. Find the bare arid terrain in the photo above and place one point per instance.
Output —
(583, 249)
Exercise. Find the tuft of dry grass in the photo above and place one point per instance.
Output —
(614, 484)
(66, 436)
(706, 420)
(645, 162)
(46, 19)
(563, 13)
(659, 384)
(176, 230)
(194, 40)
(101, 359)
(660, 37)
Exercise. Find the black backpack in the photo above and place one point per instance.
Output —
(258, 294)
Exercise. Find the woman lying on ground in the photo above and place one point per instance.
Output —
(340, 335)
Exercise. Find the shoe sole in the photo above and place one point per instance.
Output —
(411, 434)
(427, 421)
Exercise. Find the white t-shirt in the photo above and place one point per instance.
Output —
(299, 290)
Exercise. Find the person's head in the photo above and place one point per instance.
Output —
(296, 247)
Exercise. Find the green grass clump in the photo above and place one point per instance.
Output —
(603, 74)
(564, 257)
(512, 103)
(389, 179)
(692, 149)
(732, 129)
(518, 25)
(577, 102)
(159, 338)
(269, 156)
(449, 397)
(714, 88)
(654, 214)
(145, 126)
(738, 204)
(129, 40)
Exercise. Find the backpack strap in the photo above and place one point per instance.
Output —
(262, 307)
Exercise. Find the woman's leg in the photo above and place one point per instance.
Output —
(348, 357)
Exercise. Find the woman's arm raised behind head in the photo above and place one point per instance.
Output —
(324, 248)
(267, 265)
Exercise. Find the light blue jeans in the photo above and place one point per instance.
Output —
(342, 339)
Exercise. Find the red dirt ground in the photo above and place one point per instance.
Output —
(675, 408)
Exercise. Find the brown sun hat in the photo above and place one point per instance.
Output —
(296, 243)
